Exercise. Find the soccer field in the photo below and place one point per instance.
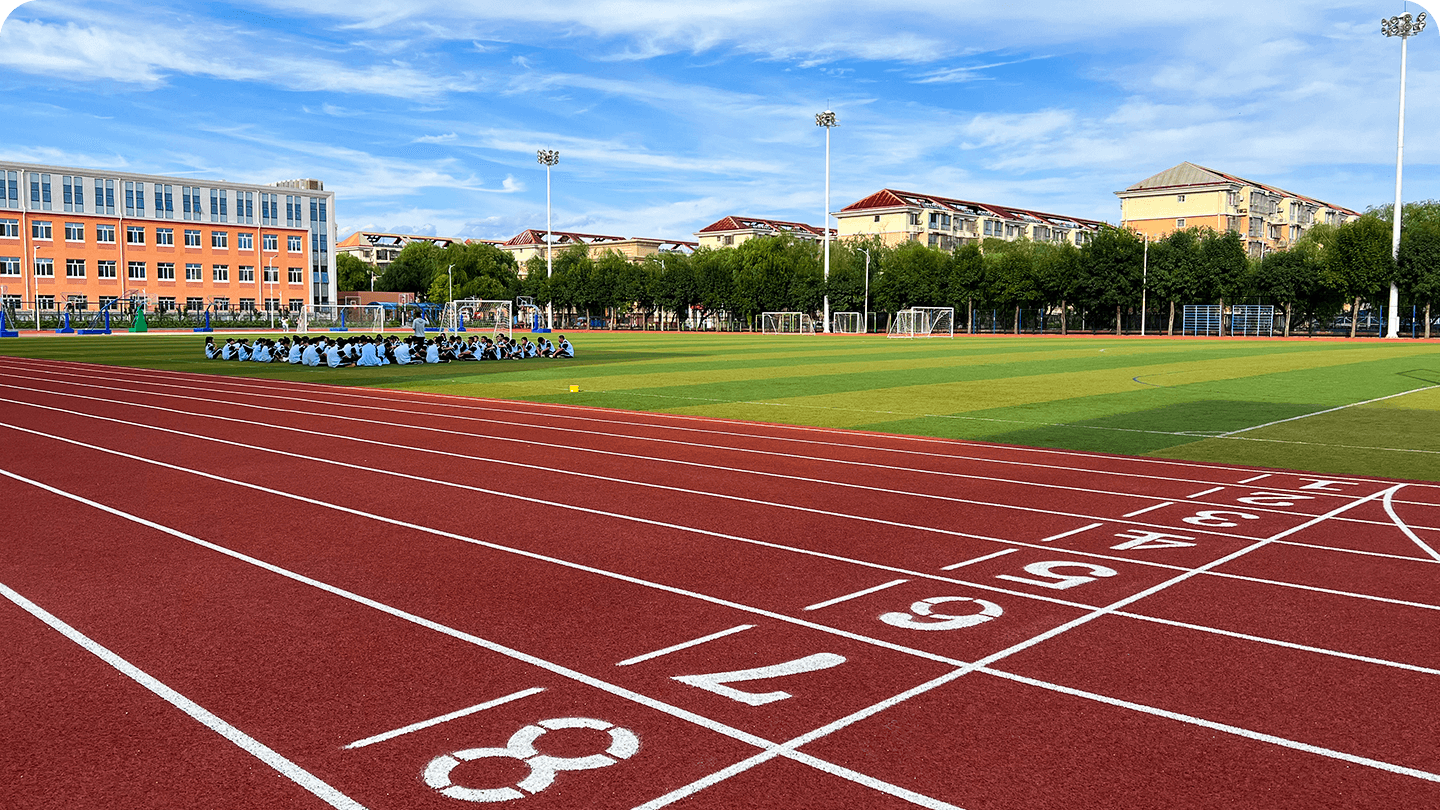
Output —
(1332, 406)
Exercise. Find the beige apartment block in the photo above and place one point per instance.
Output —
(380, 249)
(1192, 196)
(735, 231)
(531, 243)
(946, 223)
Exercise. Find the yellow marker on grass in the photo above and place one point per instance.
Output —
(574, 389)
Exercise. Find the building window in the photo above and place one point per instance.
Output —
(220, 273)
(39, 229)
(222, 303)
(46, 302)
(294, 245)
(74, 268)
(165, 202)
(134, 234)
(165, 271)
(74, 232)
(192, 272)
(215, 197)
(165, 237)
(39, 192)
(246, 273)
(272, 275)
(194, 304)
(192, 238)
(166, 303)
(9, 265)
(1179, 223)
(10, 228)
(220, 239)
(245, 241)
(247, 304)
(45, 268)
(72, 191)
(105, 234)
(80, 302)
(294, 276)
(245, 207)
(190, 203)
(105, 269)
(270, 243)
(135, 271)
(1179, 198)
(272, 304)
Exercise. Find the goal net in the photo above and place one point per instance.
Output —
(332, 318)
(478, 315)
(918, 322)
(786, 323)
(846, 323)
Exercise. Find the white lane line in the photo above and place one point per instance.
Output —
(847, 597)
(199, 713)
(935, 683)
(1390, 510)
(683, 645)
(546, 410)
(445, 718)
(1221, 727)
(549, 666)
(1000, 553)
(450, 435)
(1072, 532)
(590, 432)
(1256, 478)
(1139, 512)
(1206, 492)
(1328, 410)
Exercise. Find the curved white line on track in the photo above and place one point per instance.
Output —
(1390, 510)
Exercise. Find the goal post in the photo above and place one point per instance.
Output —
(478, 315)
(847, 323)
(786, 323)
(918, 322)
(332, 318)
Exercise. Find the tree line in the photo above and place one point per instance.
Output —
(1329, 269)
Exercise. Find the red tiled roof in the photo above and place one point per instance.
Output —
(534, 236)
(733, 223)
(891, 198)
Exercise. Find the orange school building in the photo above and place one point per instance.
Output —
(78, 238)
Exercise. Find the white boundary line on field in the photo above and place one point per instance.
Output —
(1390, 510)
(1327, 410)
(542, 410)
(282, 765)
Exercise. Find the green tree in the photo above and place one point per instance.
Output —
(965, 282)
(353, 274)
(1221, 270)
(1110, 269)
(1174, 275)
(477, 270)
(413, 270)
(1362, 260)
(1419, 270)
(1013, 278)
(1057, 268)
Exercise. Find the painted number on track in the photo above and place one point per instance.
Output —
(715, 681)
(1218, 518)
(929, 620)
(1060, 582)
(543, 768)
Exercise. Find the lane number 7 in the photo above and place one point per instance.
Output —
(715, 681)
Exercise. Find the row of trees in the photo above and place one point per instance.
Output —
(1328, 269)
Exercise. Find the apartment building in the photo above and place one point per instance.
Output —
(380, 249)
(948, 223)
(81, 237)
(735, 231)
(1192, 196)
(530, 243)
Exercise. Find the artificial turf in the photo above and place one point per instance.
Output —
(1164, 397)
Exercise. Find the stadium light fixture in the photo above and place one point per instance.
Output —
(827, 120)
(866, 251)
(548, 157)
(1403, 26)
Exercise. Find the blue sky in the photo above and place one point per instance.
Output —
(425, 116)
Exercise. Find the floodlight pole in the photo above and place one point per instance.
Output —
(549, 157)
(827, 120)
(1402, 26)
(1144, 284)
(867, 289)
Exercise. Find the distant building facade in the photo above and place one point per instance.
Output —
(531, 243)
(381, 249)
(77, 238)
(896, 217)
(1192, 196)
(735, 231)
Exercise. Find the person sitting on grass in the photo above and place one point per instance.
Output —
(335, 358)
(368, 357)
(566, 350)
(432, 353)
(403, 357)
(211, 353)
(260, 353)
(297, 348)
(311, 355)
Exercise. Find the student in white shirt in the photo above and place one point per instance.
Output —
(261, 352)
(211, 353)
(296, 350)
(367, 354)
(335, 358)
(402, 354)
(311, 355)
(565, 350)
(432, 353)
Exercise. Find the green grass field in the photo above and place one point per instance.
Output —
(1171, 398)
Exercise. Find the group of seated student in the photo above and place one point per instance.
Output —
(380, 350)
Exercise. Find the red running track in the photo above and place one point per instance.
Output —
(244, 592)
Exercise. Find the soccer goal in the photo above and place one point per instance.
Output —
(918, 322)
(847, 323)
(478, 315)
(786, 323)
(331, 318)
